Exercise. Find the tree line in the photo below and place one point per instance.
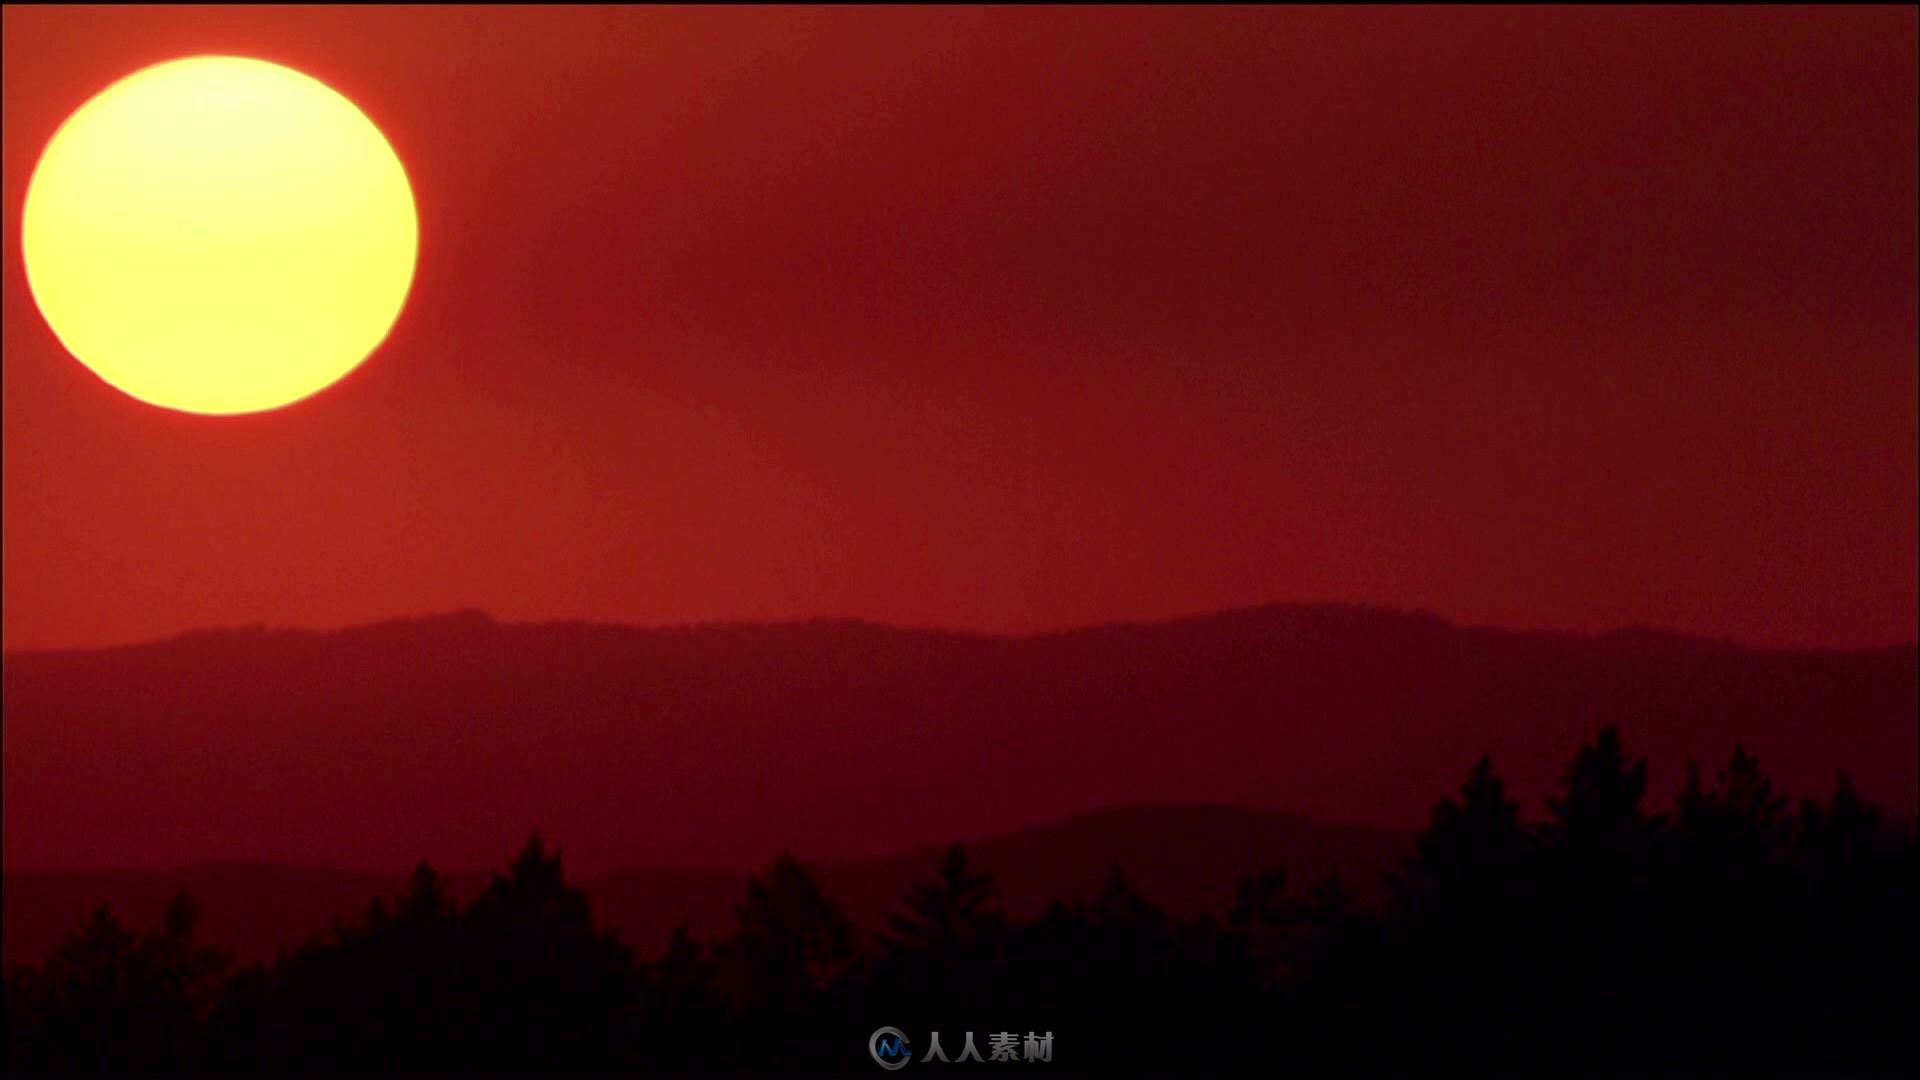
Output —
(1733, 931)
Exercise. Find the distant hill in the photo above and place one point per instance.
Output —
(449, 737)
(1186, 858)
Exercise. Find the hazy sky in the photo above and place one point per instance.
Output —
(1012, 319)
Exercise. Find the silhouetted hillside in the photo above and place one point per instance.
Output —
(1735, 930)
(445, 738)
(1185, 858)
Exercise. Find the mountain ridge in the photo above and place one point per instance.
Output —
(478, 618)
(449, 736)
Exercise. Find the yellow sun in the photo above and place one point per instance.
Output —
(219, 235)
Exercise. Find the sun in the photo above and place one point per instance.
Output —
(219, 235)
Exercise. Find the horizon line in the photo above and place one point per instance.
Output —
(1322, 607)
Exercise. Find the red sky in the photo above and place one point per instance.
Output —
(1011, 319)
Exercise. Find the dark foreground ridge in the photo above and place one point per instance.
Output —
(1727, 932)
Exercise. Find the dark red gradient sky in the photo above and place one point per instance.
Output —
(1011, 319)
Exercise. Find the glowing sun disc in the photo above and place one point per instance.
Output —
(219, 235)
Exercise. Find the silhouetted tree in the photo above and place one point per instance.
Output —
(945, 913)
(791, 936)
(109, 1000)
(557, 988)
(1739, 823)
(1269, 923)
(1838, 839)
(684, 1023)
(426, 901)
(1466, 929)
(1472, 853)
(1598, 816)
(520, 981)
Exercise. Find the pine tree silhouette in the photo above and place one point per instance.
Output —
(110, 1000)
(1473, 850)
(791, 936)
(944, 913)
(1598, 816)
